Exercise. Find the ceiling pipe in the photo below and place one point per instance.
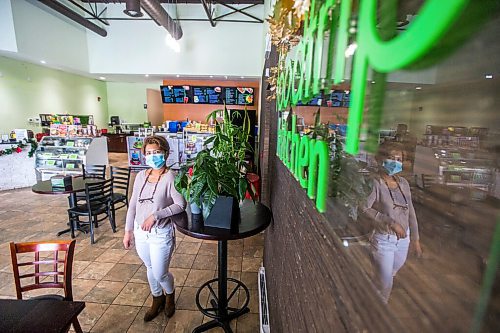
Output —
(161, 17)
(133, 8)
(74, 16)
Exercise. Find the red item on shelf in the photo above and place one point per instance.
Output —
(254, 180)
(104, 131)
(39, 136)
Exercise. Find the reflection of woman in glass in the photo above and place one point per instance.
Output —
(391, 208)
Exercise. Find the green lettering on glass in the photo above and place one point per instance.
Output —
(419, 46)
(288, 148)
(317, 186)
(342, 38)
(430, 25)
(312, 172)
(303, 160)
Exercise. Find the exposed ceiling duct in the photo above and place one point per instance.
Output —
(74, 16)
(133, 8)
(161, 17)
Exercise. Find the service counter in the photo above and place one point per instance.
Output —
(17, 170)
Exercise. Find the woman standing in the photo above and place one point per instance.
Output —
(154, 200)
(390, 207)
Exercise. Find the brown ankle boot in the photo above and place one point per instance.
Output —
(156, 307)
(170, 306)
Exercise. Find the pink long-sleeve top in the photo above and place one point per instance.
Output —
(166, 201)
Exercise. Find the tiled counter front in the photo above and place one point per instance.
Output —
(16, 170)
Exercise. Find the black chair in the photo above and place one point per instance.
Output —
(91, 171)
(98, 197)
(121, 181)
(94, 171)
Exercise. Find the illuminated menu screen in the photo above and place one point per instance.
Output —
(207, 95)
(231, 95)
(176, 94)
(245, 96)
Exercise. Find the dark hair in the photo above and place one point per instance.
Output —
(156, 140)
(385, 149)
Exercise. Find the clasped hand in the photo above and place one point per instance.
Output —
(148, 223)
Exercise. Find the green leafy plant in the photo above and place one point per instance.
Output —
(347, 184)
(220, 170)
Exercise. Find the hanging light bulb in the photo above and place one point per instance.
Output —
(172, 43)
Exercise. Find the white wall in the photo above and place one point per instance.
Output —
(139, 47)
(7, 32)
(41, 35)
(127, 100)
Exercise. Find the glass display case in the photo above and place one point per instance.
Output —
(59, 155)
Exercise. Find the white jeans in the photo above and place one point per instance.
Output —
(389, 255)
(155, 248)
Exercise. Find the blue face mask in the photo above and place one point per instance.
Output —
(155, 161)
(392, 167)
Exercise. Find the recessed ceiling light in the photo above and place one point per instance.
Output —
(102, 78)
(147, 75)
(211, 76)
(43, 61)
(242, 77)
(418, 88)
(177, 75)
(488, 76)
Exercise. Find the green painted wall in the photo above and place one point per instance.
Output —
(27, 90)
(127, 100)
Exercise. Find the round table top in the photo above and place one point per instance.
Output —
(254, 219)
(78, 185)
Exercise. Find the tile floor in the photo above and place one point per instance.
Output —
(112, 281)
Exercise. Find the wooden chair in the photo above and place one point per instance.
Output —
(51, 264)
(98, 202)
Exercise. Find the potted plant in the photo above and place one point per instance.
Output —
(219, 170)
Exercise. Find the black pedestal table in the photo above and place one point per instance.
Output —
(254, 219)
(77, 185)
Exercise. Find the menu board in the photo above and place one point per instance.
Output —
(207, 95)
(245, 96)
(231, 95)
(176, 94)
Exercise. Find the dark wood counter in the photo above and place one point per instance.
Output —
(117, 143)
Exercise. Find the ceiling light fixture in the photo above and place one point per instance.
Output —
(242, 77)
(43, 61)
(418, 88)
(177, 75)
(211, 76)
(172, 43)
(133, 8)
(147, 75)
(102, 78)
(488, 76)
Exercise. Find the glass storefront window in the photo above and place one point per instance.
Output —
(421, 216)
